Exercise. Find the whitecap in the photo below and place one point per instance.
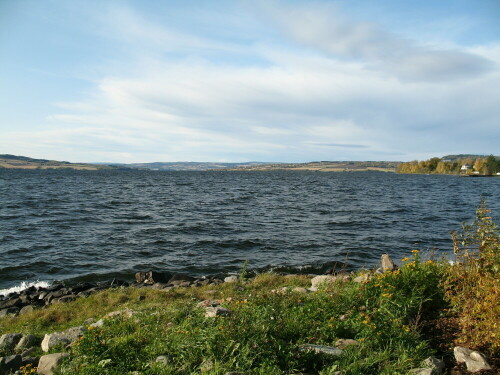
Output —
(24, 285)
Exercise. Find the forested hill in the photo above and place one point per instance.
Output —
(454, 164)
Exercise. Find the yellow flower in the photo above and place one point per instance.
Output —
(415, 251)
(405, 259)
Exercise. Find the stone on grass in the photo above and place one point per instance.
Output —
(65, 338)
(212, 312)
(387, 263)
(127, 313)
(474, 360)
(49, 363)
(363, 278)
(9, 311)
(329, 350)
(164, 359)
(208, 303)
(26, 342)
(9, 340)
(322, 280)
(231, 279)
(26, 309)
(344, 343)
(436, 365)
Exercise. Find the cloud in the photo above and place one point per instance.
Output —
(323, 27)
(368, 95)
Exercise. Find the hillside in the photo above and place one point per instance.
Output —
(22, 162)
(327, 166)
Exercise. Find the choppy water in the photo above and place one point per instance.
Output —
(58, 225)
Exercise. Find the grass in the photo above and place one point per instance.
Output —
(268, 324)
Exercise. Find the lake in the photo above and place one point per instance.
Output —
(80, 225)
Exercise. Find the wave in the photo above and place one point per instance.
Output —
(24, 285)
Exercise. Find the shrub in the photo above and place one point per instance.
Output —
(472, 284)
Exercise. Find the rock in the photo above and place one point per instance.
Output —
(344, 343)
(11, 302)
(436, 365)
(127, 313)
(212, 312)
(152, 277)
(164, 359)
(26, 309)
(49, 363)
(98, 324)
(10, 364)
(322, 280)
(9, 340)
(474, 360)
(231, 279)
(33, 361)
(68, 298)
(207, 366)
(387, 263)
(26, 342)
(27, 352)
(363, 278)
(9, 311)
(330, 350)
(208, 303)
(67, 337)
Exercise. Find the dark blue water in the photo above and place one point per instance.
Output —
(58, 225)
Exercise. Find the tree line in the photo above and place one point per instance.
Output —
(486, 166)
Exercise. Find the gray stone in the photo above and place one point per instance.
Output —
(26, 342)
(8, 341)
(322, 280)
(98, 324)
(474, 360)
(208, 303)
(49, 363)
(67, 337)
(212, 312)
(363, 278)
(329, 350)
(344, 343)
(9, 311)
(27, 352)
(164, 359)
(387, 263)
(436, 365)
(26, 309)
(10, 364)
(231, 279)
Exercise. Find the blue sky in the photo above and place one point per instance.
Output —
(291, 81)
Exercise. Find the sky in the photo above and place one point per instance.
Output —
(249, 80)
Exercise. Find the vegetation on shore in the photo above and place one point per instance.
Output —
(389, 314)
(482, 165)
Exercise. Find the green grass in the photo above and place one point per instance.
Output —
(264, 333)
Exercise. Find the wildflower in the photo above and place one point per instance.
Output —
(405, 259)
(415, 251)
(406, 328)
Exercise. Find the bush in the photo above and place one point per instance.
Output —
(472, 285)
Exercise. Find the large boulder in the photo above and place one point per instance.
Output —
(50, 362)
(152, 277)
(323, 280)
(8, 341)
(387, 263)
(474, 360)
(65, 338)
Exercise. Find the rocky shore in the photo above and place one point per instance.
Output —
(24, 349)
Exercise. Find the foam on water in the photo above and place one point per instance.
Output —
(24, 285)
